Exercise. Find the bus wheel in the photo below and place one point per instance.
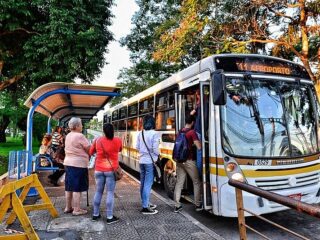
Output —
(169, 181)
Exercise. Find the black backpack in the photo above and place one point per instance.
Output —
(181, 150)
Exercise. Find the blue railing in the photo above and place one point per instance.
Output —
(17, 166)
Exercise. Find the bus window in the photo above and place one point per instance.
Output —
(122, 125)
(132, 124)
(168, 138)
(123, 113)
(171, 99)
(105, 119)
(165, 120)
(115, 115)
(133, 110)
(162, 101)
(146, 105)
(140, 123)
(115, 126)
(109, 119)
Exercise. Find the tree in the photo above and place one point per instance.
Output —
(43, 41)
(11, 110)
(283, 28)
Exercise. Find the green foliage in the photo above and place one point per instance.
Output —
(205, 27)
(46, 41)
(13, 144)
(53, 40)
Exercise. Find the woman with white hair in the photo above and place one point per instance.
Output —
(76, 167)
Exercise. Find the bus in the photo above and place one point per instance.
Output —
(259, 124)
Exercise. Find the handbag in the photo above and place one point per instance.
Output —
(118, 173)
(92, 161)
(156, 164)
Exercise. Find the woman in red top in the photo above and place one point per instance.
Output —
(107, 150)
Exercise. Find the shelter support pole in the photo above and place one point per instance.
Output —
(29, 138)
(49, 125)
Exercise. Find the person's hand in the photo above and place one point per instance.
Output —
(236, 98)
(193, 112)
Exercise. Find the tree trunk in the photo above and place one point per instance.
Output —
(4, 122)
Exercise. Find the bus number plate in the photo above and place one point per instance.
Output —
(262, 162)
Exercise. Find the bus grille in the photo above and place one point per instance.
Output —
(271, 184)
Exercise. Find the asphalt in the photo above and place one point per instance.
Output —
(132, 225)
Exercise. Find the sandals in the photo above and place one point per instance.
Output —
(80, 212)
(68, 211)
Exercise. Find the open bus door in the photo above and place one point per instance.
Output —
(205, 142)
(184, 101)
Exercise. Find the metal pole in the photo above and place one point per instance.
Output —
(241, 219)
(49, 125)
(284, 200)
(29, 138)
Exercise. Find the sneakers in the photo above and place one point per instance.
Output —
(199, 208)
(95, 218)
(152, 206)
(114, 219)
(177, 209)
(149, 211)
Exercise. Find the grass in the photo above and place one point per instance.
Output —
(11, 145)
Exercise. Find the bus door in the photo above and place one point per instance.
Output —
(205, 142)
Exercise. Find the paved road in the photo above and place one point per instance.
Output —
(228, 227)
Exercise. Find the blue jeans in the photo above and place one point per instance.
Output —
(146, 181)
(104, 179)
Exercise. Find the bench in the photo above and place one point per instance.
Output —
(47, 168)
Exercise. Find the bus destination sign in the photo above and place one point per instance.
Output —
(259, 67)
(262, 65)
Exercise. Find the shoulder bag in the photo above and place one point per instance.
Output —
(92, 161)
(118, 173)
(156, 165)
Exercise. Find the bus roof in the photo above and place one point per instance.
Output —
(210, 63)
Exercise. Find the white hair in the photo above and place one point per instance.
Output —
(74, 123)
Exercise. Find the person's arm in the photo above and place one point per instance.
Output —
(196, 140)
(155, 144)
(93, 149)
(198, 144)
(85, 143)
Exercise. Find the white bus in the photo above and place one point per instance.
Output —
(259, 124)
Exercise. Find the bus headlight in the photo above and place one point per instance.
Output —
(233, 170)
(238, 177)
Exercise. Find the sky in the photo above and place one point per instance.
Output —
(118, 57)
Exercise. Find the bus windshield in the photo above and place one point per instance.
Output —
(269, 118)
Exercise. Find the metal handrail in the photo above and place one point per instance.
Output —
(286, 201)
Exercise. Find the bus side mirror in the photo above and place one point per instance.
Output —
(219, 88)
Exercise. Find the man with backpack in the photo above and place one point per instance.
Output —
(183, 154)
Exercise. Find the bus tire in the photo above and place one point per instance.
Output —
(169, 182)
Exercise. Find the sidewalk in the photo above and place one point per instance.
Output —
(132, 225)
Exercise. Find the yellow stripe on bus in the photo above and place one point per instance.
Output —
(162, 150)
(270, 173)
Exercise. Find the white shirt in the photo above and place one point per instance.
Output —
(152, 140)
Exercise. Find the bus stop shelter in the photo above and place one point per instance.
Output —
(61, 101)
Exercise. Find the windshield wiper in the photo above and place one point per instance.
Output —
(254, 107)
